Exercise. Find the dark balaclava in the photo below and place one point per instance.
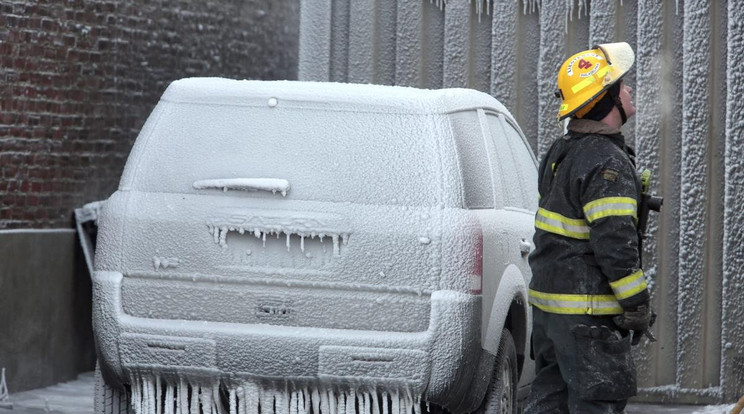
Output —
(604, 106)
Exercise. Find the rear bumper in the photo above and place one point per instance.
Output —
(435, 362)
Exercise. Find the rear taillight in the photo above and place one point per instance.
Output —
(476, 276)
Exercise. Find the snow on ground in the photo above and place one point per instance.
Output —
(76, 397)
(715, 409)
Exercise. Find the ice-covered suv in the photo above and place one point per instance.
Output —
(289, 247)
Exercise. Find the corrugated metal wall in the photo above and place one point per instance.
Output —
(689, 130)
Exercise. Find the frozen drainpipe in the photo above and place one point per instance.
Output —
(4, 395)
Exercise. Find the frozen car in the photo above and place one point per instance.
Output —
(288, 247)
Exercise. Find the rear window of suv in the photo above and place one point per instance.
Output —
(332, 156)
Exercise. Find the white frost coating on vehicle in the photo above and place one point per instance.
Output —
(165, 262)
(512, 286)
(252, 271)
(274, 185)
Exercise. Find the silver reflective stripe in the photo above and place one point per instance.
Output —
(629, 285)
(558, 224)
(610, 206)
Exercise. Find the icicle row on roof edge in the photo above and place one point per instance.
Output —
(480, 6)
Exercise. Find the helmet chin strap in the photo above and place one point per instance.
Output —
(619, 106)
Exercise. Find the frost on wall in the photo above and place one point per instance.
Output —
(733, 271)
(552, 53)
(684, 85)
(649, 123)
(693, 173)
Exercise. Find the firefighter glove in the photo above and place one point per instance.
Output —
(638, 320)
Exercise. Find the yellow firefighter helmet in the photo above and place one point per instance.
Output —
(586, 76)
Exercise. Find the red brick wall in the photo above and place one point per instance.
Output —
(78, 79)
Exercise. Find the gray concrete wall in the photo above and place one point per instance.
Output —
(45, 320)
(688, 130)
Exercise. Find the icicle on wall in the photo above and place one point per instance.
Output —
(151, 394)
(733, 238)
(692, 209)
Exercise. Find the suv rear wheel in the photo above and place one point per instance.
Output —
(501, 396)
(109, 400)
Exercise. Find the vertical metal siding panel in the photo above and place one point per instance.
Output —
(603, 19)
(480, 54)
(456, 44)
(552, 53)
(716, 182)
(648, 128)
(626, 32)
(433, 47)
(339, 41)
(528, 56)
(362, 40)
(692, 208)
(670, 158)
(385, 44)
(504, 62)
(409, 48)
(315, 40)
(733, 233)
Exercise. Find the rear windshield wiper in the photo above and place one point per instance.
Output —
(275, 185)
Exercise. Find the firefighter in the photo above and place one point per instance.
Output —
(588, 293)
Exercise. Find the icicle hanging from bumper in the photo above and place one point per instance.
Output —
(153, 394)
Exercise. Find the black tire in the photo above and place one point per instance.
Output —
(109, 400)
(501, 396)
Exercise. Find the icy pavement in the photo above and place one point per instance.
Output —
(76, 397)
(678, 409)
(73, 397)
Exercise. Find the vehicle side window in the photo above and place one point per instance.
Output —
(506, 161)
(525, 163)
(472, 156)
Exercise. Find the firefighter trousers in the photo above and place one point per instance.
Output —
(583, 365)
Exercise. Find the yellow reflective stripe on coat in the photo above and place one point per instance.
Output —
(611, 206)
(575, 304)
(558, 224)
(629, 285)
